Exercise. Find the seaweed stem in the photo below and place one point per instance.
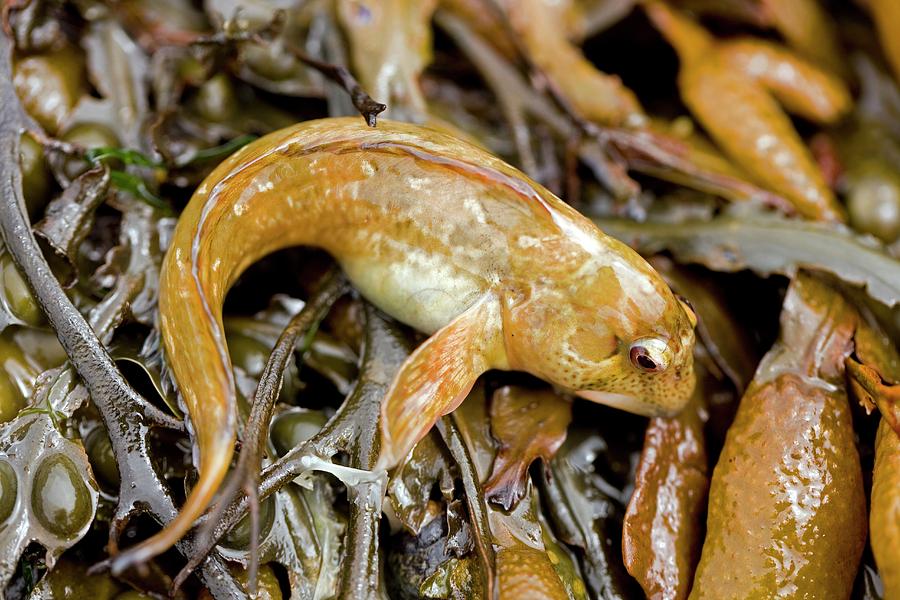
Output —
(478, 515)
(127, 416)
(353, 430)
(339, 74)
(245, 476)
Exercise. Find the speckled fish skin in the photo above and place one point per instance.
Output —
(787, 508)
(444, 237)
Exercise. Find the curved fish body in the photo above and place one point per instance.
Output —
(444, 237)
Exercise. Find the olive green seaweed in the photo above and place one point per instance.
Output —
(767, 245)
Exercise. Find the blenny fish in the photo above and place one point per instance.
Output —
(444, 237)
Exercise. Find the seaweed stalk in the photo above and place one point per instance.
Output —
(479, 519)
(354, 431)
(339, 74)
(127, 416)
(245, 477)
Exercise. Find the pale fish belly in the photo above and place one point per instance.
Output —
(424, 290)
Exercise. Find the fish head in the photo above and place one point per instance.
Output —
(613, 333)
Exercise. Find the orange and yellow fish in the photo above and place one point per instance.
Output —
(447, 239)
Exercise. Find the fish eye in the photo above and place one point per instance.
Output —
(650, 355)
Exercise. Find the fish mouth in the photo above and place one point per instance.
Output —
(627, 402)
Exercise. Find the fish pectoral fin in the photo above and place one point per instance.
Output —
(436, 378)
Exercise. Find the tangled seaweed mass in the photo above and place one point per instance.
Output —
(363, 299)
